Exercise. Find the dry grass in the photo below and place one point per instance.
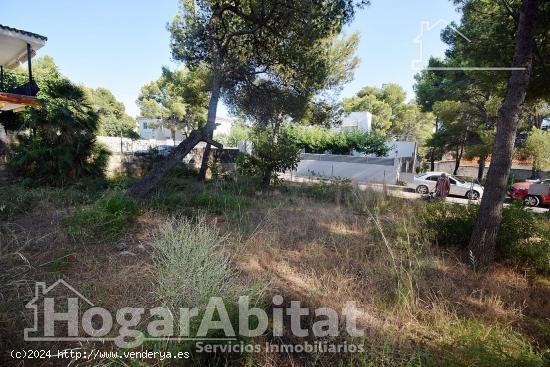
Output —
(369, 251)
(191, 264)
(419, 303)
(36, 248)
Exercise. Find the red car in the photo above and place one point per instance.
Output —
(533, 193)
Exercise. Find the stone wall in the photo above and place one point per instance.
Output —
(137, 165)
(226, 158)
(131, 164)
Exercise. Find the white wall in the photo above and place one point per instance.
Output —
(359, 169)
(354, 171)
(129, 145)
(153, 129)
(401, 149)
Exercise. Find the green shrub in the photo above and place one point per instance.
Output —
(319, 140)
(239, 185)
(272, 154)
(18, 199)
(519, 225)
(449, 224)
(216, 203)
(60, 264)
(56, 144)
(533, 253)
(524, 236)
(105, 220)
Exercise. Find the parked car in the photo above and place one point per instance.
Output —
(532, 192)
(164, 150)
(425, 183)
(468, 179)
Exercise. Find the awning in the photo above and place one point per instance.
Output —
(13, 45)
(13, 51)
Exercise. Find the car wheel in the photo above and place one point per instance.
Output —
(423, 190)
(531, 200)
(472, 195)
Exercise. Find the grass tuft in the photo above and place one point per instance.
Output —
(472, 343)
(190, 263)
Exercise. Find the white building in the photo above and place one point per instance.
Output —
(356, 121)
(153, 129)
(150, 128)
(363, 121)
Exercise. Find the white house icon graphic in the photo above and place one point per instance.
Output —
(43, 293)
(426, 27)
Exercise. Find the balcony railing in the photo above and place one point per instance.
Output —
(17, 83)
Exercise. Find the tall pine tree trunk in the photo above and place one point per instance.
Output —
(159, 170)
(204, 163)
(483, 241)
(481, 167)
(458, 159)
(205, 133)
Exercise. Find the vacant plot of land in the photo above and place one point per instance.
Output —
(322, 245)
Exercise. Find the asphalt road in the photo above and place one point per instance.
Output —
(409, 193)
(405, 192)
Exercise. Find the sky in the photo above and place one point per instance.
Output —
(122, 44)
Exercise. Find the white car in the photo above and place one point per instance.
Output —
(425, 183)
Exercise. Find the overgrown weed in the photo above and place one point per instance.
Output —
(105, 220)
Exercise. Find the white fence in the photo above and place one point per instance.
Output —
(358, 169)
(126, 145)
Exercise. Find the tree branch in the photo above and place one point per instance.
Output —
(213, 143)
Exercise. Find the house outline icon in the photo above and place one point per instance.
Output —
(40, 291)
(426, 27)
